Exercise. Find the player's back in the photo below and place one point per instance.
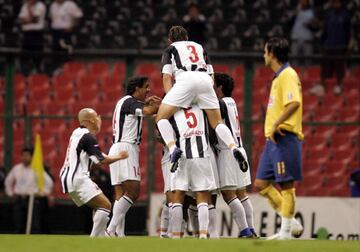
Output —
(191, 131)
(183, 56)
(230, 115)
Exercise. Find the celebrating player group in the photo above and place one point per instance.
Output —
(203, 154)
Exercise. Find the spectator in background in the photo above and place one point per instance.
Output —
(301, 32)
(195, 24)
(20, 183)
(64, 17)
(335, 42)
(2, 178)
(32, 19)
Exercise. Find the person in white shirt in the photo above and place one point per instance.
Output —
(64, 17)
(32, 19)
(22, 182)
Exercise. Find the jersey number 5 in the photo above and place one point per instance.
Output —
(194, 57)
(193, 116)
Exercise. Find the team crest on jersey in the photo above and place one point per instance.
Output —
(271, 101)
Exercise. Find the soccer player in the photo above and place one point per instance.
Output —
(194, 169)
(281, 157)
(82, 152)
(189, 64)
(127, 127)
(233, 182)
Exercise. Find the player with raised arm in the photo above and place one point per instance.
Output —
(188, 63)
(127, 128)
(233, 182)
(83, 151)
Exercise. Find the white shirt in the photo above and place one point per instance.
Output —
(38, 10)
(128, 120)
(191, 131)
(63, 15)
(22, 180)
(230, 115)
(83, 150)
(182, 56)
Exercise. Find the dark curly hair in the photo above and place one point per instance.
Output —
(135, 82)
(226, 82)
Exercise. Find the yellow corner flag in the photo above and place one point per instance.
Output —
(37, 162)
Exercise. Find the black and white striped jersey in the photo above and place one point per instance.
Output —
(82, 151)
(230, 115)
(127, 120)
(185, 56)
(191, 130)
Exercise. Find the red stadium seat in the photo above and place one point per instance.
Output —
(324, 130)
(147, 69)
(312, 72)
(98, 68)
(38, 80)
(62, 81)
(342, 141)
(316, 142)
(119, 70)
(333, 101)
(349, 114)
(221, 68)
(238, 71)
(264, 72)
(74, 69)
(311, 102)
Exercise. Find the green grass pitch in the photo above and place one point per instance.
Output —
(76, 243)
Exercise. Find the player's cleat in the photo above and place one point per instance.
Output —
(296, 228)
(174, 159)
(279, 236)
(164, 235)
(254, 233)
(203, 236)
(239, 156)
(246, 233)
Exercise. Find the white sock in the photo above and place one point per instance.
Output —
(249, 210)
(100, 219)
(238, 213)
(224, 134)
(120, 209)
(167, 133)
(170, 220)
(212, 222)
(193, 217)
(164, 220)
(203, 212)
(120, 229)
(177, 218)
(285, 226)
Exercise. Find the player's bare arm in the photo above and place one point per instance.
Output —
(289, 110)
(114, 158)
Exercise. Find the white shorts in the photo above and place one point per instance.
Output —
(84, 190)
(230, 174)
(192, 88)
(125, 169)
(165, 167)
(193, 174)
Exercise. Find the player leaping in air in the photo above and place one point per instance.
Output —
(188, 63)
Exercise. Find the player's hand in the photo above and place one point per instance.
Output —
(153, 99)
(275, 130)
(123, 154)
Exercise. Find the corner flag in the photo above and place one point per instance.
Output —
(37, 162)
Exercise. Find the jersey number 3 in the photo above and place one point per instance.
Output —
(193, 116)
(194, 57)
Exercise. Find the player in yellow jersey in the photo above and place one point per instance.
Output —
(281, 157)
